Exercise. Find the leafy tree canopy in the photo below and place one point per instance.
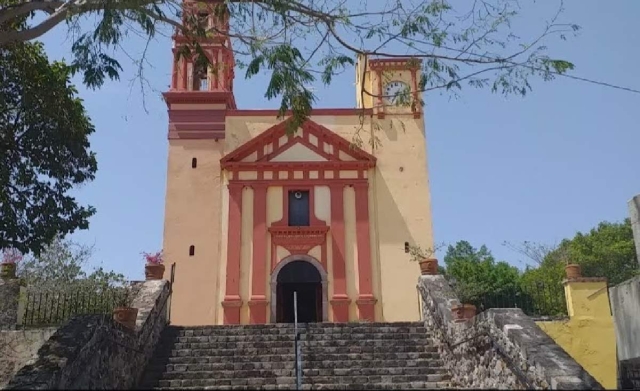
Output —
(44, 149)
(460, 43)
(63, 265)
(477, 268)
(607, 251)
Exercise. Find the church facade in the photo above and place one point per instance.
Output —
(254, 213)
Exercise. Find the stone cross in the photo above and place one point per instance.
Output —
(634, 213)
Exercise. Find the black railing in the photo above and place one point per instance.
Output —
(49, 308)
(536, 299)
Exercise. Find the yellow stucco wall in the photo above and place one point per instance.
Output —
(588, 335)
(192, 217)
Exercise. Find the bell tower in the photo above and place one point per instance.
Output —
(200, 87)
(199, 98)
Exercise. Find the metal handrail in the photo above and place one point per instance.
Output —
(296, 343)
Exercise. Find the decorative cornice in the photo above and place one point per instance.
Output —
(277, 131)
(395, 63)
(298, 240)
(211, 97)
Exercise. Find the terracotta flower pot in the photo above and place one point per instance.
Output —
(429, 267)
(126, 316)
(573, 271)
(8, 270)
(154, 271)
(463, 312)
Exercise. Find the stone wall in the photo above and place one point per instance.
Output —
(499, 348)
(625, 305)
(94, 352)
(9, 292)
(18, 348)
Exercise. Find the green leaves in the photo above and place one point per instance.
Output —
(289, 80)
(44, 150)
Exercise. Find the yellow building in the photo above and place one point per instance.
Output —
(254, 213)
(588, 335)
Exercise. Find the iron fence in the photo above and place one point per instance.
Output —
(49, 308)
(537, 299)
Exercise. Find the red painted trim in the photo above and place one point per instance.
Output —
(208, 115)
(196, 135)
(363, 239)
(298, 240)
(297, 183)
(279, 130)
(314, 112)
(210, 97)
(398, 63)
(174, 73)
(234, 239)
(337, 242)
(186, 126)
(185, 77)
(258, 310)
(298, 166)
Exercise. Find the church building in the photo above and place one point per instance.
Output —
(254, 213)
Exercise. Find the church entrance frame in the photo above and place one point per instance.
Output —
(274, 283)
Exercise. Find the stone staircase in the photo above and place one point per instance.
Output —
(335, 356)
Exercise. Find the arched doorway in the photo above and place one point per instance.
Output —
(304, 275)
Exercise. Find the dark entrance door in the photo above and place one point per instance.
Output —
(301, 277)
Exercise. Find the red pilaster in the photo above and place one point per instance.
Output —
(185, 77)
(258, 302)
(340, 301)
(174, 73)
(232, 301)
(365, 301)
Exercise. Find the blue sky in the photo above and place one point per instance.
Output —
(538, 168)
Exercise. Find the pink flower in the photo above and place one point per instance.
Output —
(11, 255)
(154, 259)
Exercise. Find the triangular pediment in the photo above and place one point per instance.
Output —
(311, 143)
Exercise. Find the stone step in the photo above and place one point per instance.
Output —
(312, 328)
(303, 337)
(349, 364)
(421, 385)
(244, 351)
(344, 381)
(245, 370)
(326, 325)
(423, 364)
(307, 357)
(311, 344)
(388, 379)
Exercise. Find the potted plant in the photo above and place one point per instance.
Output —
(124, 313)
(10, 257)
(154, 269)
(467, 293)
(428, 264)
(572, 270)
